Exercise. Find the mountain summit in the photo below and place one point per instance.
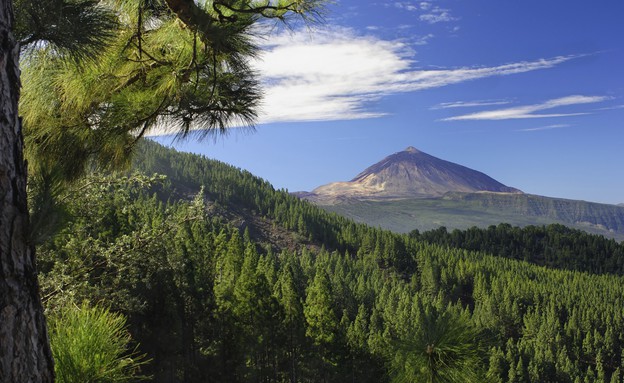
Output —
(411, 174)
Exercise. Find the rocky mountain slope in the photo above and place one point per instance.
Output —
(409, 174)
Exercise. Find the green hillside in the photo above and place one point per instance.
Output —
(554, 245)
(224, 279)
(461, 211)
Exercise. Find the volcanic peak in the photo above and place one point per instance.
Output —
(411, 149)
(412, 174)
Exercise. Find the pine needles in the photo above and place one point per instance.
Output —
(91, 345)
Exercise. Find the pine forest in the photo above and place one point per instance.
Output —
(223, 278)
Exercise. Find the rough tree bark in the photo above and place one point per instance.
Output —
(24, 348)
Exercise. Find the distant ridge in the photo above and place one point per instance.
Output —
(410, 173)
(413, 190)
(464, 210)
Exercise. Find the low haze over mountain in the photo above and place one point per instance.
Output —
(410, 174)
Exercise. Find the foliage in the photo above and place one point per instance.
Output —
(74, 29)
(91, 344)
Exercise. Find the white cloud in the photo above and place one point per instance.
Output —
(430, 14)
(437, 15)
(336, 74)
(547, 127)
(528, 111)
(408, 6)
(469, 104)
(423, 40)
(612, 107)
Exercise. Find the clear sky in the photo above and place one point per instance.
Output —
(529, 92)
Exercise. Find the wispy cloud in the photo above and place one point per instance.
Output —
(547, 127)
(422, 40)
(408, 6)
(437, 15)
(337, 75)
(469, 104)
(425, 5)
(431, 14)
(612, 107)
(529, 111)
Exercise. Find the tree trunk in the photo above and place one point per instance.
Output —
(25, 354)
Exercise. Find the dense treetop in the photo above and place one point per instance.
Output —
(552, 245)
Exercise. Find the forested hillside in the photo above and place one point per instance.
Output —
(222, 278)
(552, 245)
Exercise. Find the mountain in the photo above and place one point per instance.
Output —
(409, 174)
(413, 190)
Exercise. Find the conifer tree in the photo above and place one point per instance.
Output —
(319, 312)
(445, 348)
(322, 322)
(290, 301)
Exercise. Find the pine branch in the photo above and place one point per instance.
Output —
(193, 16)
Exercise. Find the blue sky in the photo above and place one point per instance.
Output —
(528, 92)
